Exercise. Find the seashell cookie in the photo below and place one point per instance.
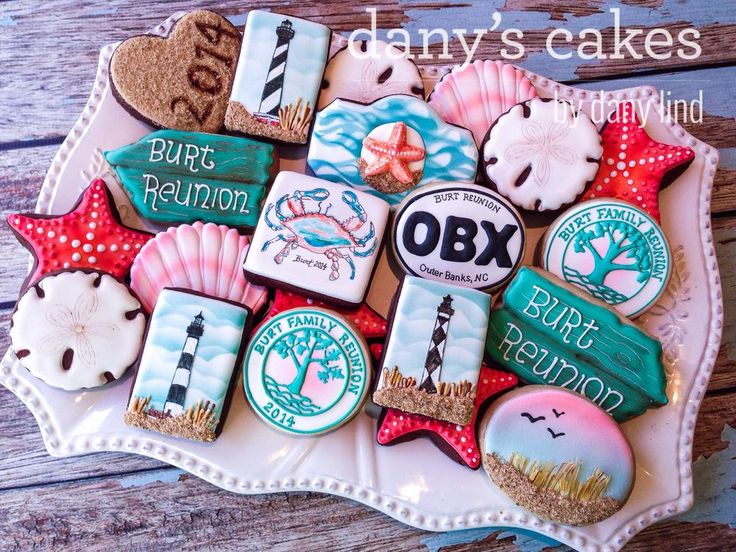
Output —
(377, 69)
(476, 95)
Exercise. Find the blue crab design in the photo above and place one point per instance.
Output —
(302, 221)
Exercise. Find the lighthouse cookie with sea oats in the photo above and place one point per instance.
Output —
(434, 352)
(185, 374)
(278, 77)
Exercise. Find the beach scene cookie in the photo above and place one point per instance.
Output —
(181, 81)
(613, 250)
(557, 455)
(176, 176)
(458, 233)
(541, 154)
(77, 329)
(90, 236)
(389, 147)
(474, 95)
(183, 382)
(634, 166)
(307, 371)
(317, 238)
(434, 351)
(369, 70)
(549, 332)
(278, 77)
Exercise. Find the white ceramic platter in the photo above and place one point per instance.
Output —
(412, 482)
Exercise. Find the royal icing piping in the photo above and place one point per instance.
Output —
(395, 151)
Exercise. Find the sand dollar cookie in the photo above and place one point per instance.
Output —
(557, 454)
(541, 154)
(77, 329)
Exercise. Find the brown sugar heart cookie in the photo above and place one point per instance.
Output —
(181, 81)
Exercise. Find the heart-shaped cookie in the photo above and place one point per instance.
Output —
(181, 81)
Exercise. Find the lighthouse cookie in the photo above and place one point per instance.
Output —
(307, 371)
(611, 249)
(434, 351)
(557, 454)
(317, 238)
(184, 381)
(77, 329)
(541, 154)
(278, 77)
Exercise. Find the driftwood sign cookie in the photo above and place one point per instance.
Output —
(181, 81)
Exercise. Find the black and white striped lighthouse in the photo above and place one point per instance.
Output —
(274, 87)
(436, 351)
(180, 382)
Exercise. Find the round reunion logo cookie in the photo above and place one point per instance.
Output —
(613, 250)
(461, 234)
(307, 371)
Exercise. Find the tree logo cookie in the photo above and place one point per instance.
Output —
(306, 371)
(613, 250)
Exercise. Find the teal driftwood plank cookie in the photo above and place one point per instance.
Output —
(176, 176)
(549, 333)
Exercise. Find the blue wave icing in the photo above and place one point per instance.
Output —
(339, 130)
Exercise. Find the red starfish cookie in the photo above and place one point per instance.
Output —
(393, 156)
(89, 236)
(633, 165)
(458, 442)
(368, 321)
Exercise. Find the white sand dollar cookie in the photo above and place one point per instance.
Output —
(77, 329)
(541, 154)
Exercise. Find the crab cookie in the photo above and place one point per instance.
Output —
(549, 332)
(90, 236)
(175, 176)
(367, 70)
(459, 233)
(541, 154)
(317, 238)
(635, 166)
(389, 147)
(307, 371)
(77, 329)
(278, 77)
(184, 380)
(475, 95)
(613, 250)
(181, 81)
(557, 455)
(434, 350)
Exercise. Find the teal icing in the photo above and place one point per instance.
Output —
(339, 130)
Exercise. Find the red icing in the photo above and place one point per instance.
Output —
(393, 156)
(626, 142)
(89, 236)
(396, 424)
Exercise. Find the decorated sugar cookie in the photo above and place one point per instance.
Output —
(611, 249)
(181, 81)
(204, 258)
(175, 176)
(389, 147)
(317, 238)
(459, 233)
(557, 454)
(549, 332)
(458, 442)
(377, 70)
(307, 371)
(184, 378)
(89, 236)
(77, 329)
(434, 351)
(541, 154)
(278, 77)
(475, 95)
(634, 166)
